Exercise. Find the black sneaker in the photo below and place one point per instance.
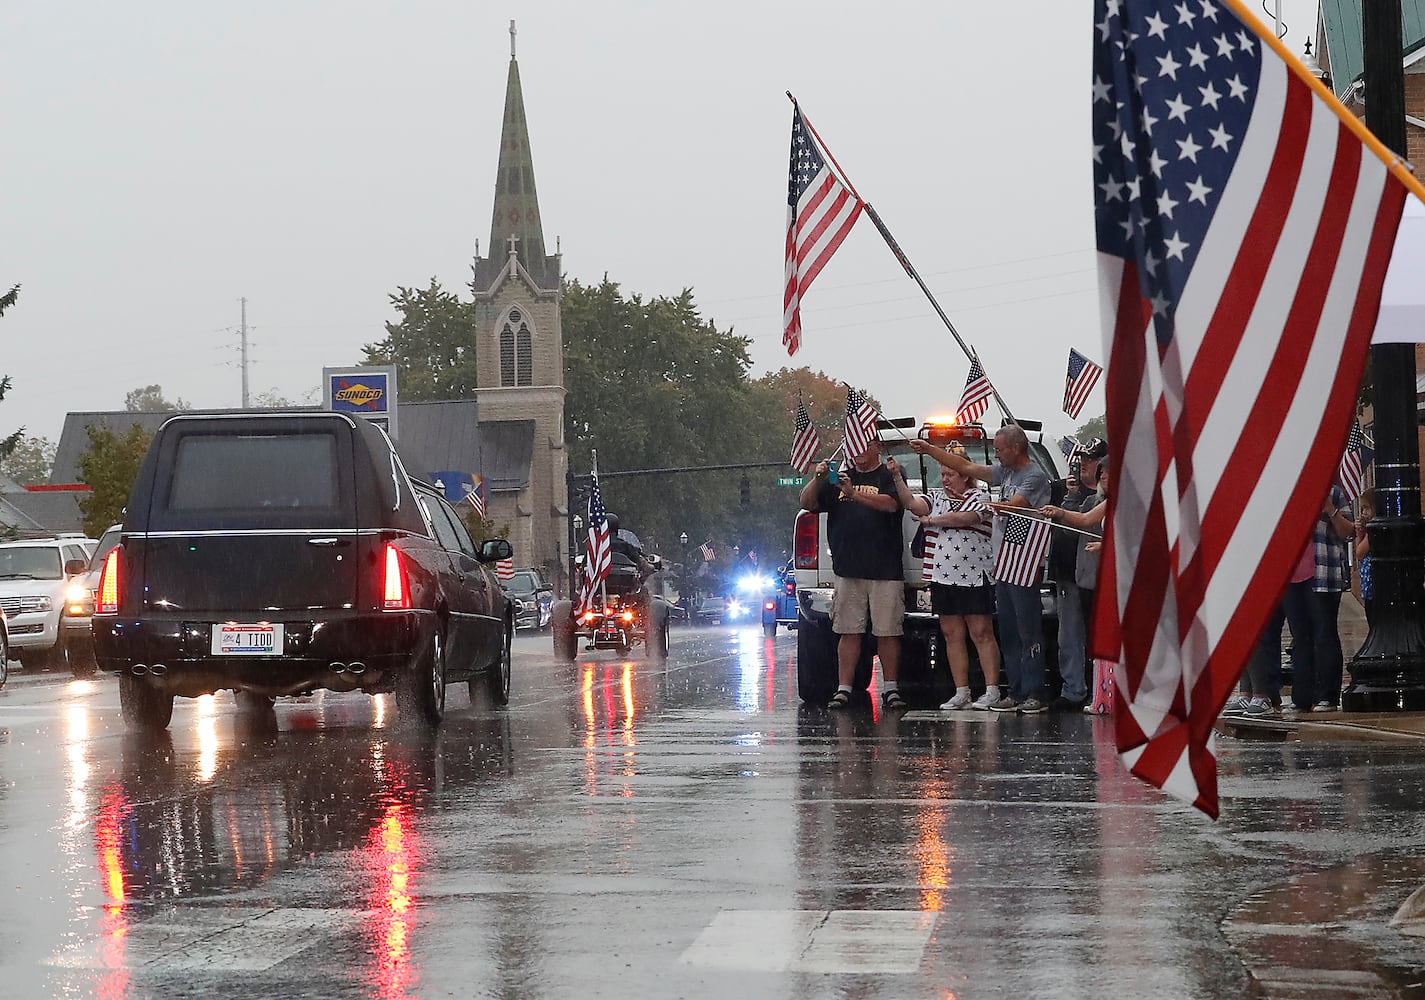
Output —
(892, 701)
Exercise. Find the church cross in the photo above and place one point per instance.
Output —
(512, 241)
(512, 38)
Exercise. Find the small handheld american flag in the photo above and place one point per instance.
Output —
(806, 441)
(1083, 376)
(477, 501)
(1351, 473)
(1022, 550)
(860, 422)
(975, 400)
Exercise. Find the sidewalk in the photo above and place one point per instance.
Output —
(1392, 726)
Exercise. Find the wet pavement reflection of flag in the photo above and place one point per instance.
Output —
(1243, 229)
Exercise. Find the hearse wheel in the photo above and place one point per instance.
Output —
(497, 677)
(145, 708)
(420, 691)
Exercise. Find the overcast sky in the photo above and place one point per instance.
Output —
(164, 159)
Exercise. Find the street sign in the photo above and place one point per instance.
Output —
(791, 480)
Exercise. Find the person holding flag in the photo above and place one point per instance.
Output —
(1023, 488)
(863, 528)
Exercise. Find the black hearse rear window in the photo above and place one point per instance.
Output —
(228, 472)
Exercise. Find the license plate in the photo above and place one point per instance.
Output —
(247, 640)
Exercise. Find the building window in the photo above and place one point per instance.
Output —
(516, 351)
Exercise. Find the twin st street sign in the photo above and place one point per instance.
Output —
(791, 480)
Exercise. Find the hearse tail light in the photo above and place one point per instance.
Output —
(108, 603)
(627, 616)
(396, 594)
(806, 541)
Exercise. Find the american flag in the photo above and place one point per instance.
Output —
(975, 400)
(707, 552)
(806, 441)
(504, 570)
(1022, 550)
(598, 555)
(1243, 234)
(820, 213)
(477, 500)
(860, 422)
(1351, 473)
(1083, 376)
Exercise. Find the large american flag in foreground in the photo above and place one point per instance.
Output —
(1079, 382)
(598, 555)
(820, 213)
(1244, 230)
(805, 440)
(975, 400)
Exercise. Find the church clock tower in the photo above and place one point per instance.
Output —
(520, 353)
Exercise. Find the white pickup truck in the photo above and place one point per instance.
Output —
(924, 674)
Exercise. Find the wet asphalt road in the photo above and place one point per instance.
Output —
(633, 830)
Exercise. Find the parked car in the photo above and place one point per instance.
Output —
(274, 554)
(532, 597)
(75, 621)
(35, 577)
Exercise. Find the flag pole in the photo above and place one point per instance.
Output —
(897, 251)
(1007, 512)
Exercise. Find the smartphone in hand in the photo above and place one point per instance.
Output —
(831, 472)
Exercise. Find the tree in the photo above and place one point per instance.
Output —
(825, 400)
(432, 346)
(149, 399)
(651, 384)
(109, 466)
(31, 461)
(7, 445)
(1095, 428)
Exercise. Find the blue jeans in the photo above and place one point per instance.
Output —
(1071, 643)
(1021, 639)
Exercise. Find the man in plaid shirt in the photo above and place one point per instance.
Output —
(1331, 540)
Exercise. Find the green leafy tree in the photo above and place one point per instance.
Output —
(432, 345)
(1097, 427)
(150, 399)
(7, 445)
(825, 400)
(651, 384)
(109, 466)
(31, 461)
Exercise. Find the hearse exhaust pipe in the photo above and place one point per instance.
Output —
(357, 667)
(158, 669)
(139, 669)
(337, 668)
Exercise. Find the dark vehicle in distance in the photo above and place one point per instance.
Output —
(273, 554)
(532, 597)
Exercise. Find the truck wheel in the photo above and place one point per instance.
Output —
(80, 654)
(566, 643)
(816, 662)
(420, 689)
(145, 708)
(769, 629)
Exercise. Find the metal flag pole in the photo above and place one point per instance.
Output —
(1007, 512)
(897, 251)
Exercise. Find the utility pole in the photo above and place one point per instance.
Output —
(243, 335)
(1388, 672)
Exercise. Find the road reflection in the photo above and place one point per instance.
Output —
(233, 803)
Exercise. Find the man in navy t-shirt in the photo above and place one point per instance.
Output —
(863, 528)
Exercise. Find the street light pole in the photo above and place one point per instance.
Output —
(683, 587)
(1388, 672)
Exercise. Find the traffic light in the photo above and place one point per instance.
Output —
(746, 492)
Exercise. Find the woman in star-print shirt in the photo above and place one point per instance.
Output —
(957, 521)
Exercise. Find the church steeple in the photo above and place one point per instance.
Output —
(516, 213)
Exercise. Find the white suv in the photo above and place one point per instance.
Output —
(34, 577)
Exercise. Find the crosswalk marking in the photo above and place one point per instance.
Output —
(815, 941)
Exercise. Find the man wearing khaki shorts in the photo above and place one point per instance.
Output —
(863, 528)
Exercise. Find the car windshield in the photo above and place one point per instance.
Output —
(524, 583)
(30, 562)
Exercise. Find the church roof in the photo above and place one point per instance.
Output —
(516, 212)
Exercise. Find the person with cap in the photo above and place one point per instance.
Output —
(1074, 572)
